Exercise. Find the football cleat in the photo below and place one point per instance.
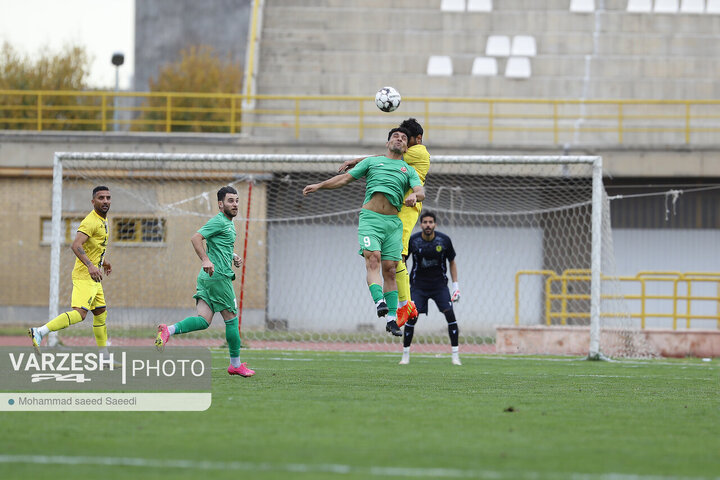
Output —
(36, 339)
(456, 360)
(393, 328)
(402, 315)
(412, 310)
(382, 309)
(242, 370)
(404, 360)
(162, 337)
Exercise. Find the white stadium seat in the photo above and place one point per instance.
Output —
(666, 6)
(497, 46)
(582, 6)
(452, 5)
(713, 6)
(523, 46)
(639, 6)
(440, 65)
(484, 66)
(479, 5)
(518, 67)
(692, 6)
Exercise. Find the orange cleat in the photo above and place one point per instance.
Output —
(402, 315)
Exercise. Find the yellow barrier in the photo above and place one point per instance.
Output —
(582, 276)
(553, 121)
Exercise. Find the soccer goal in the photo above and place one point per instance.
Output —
(532, 235)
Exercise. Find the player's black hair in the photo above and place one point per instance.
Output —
(428, 213)
(224, 191)
(100, 188)
(399, 129)
(412, 126)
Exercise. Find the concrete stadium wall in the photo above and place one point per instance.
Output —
(164, 27)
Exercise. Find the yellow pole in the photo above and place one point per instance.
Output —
(297, 118)
(251, 53)
(168, 113)
(103, 112)
(490, 123)
(232, 114)
(39, 112)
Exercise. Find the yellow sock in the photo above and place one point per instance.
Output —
(100, 329)
(64, 320)
(403, 282)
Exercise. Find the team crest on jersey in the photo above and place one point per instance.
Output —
(403, 169)
(438, 248)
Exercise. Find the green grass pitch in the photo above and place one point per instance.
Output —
(323, 415)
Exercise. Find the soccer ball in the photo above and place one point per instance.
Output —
(387, 99)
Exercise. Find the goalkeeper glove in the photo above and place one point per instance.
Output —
(455, 297)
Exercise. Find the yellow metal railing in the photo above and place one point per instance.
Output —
(558, 293)
(549, 121)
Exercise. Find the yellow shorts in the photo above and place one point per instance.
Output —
(87, 294)
(409, 217)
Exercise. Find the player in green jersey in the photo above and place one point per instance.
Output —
(215, 291)
(380, 230)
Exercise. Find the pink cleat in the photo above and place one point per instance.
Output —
(242, 370)
(162, 337)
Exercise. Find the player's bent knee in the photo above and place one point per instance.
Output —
(99, 311)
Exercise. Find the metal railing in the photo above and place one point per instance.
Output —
(559, 293)
(480, 120)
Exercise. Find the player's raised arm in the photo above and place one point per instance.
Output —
(331, 183)
(197, 243)
(348, 164)
(79, 251)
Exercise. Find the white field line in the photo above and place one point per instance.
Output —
(324, 468)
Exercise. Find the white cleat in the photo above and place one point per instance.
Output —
(404, 360)
(456, 361)
(36, 338)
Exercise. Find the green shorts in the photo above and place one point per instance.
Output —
(378, 232)
(217, 291)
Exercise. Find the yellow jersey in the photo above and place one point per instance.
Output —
(418, 157)
(96, 228)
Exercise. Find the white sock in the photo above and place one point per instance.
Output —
(402, 303)
(235, 361)
(391, 319)
(44, 330)
(406, 351)
(171, 329)
(455, 350)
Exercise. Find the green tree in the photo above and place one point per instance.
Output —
(66, 70)
(198, 70)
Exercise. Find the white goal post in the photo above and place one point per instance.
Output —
(505, 213)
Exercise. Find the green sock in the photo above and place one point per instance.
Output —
(191, 324)
(391, 298)
(232, 335)
(376, 292)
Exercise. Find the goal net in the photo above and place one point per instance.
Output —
(532, 236)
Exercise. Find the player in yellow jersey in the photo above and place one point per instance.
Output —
(87, 294)
(417, 157)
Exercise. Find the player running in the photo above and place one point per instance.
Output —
(89, 247)
(215, 291)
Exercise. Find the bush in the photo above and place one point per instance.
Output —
(199, 70)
